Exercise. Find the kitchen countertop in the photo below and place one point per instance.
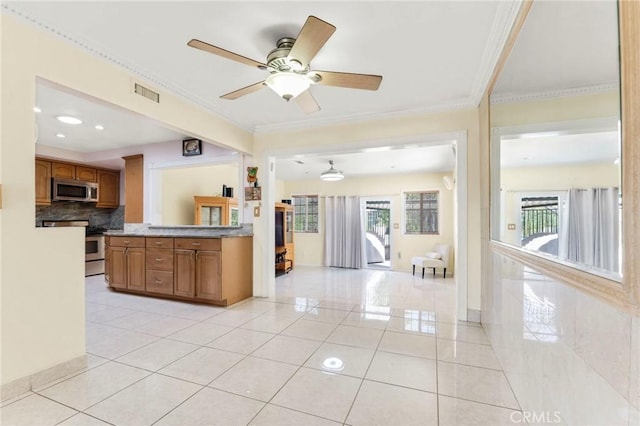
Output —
(186, 231)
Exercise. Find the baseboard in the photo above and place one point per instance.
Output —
(41, 378)
(473, 315)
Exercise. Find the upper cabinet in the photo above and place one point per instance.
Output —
(108, 189)
(43, 183)
(213, 211)
(72, 171)
(108, 181)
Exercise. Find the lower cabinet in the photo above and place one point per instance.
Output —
(201, 269)
(185, 273)
(126, 263)
(126, 268)
(208, 276)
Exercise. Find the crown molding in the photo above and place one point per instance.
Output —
(363, 117)
(135, 70)
(510, 98)
(506, 14)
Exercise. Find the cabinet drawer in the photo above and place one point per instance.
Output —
(159, 282)
(198, 244)
(127, 241)
(160, 259)
(165, 243)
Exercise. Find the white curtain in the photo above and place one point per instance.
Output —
(344, 233)
(590, 230)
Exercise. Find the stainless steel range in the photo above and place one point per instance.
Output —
(93, 244)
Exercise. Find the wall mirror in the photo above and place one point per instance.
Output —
(555, 138)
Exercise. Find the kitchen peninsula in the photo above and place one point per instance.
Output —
(205, 264)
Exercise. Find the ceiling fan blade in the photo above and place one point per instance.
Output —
(225, 53)
(244, 91)
(352, 81)
(307, 102)
(313, 35)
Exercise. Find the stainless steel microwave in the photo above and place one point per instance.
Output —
(74, 190)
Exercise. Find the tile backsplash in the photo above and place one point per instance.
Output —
(70, 210)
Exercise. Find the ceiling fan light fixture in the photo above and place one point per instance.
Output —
(288, 85)
(331, 175)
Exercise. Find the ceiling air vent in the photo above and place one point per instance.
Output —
(147, 93)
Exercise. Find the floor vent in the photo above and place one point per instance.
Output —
(147, 93)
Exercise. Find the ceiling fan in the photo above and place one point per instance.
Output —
(288, 64)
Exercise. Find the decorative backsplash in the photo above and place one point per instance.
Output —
(70, 210)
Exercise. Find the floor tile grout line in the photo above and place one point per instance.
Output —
(355, 397)
(480, 402)
(298, 369)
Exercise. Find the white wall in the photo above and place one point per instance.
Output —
(42, 311)
(309, 248)
(180, 185)
(561, 349)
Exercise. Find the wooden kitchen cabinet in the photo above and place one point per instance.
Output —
(108, 181)
(197, 274)
(208, 270)
(208, 275)
(108, 189)
(43, 182)
(159, 263)
(185, 273)
(126, 263)
(216, 210)
(73, 171)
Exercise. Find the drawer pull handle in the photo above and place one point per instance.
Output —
(126, 242)
(196, 244)
(159, 259)
(159, 243)
(158, 281)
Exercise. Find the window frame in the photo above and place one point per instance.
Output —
(306, 229)
(404, 212)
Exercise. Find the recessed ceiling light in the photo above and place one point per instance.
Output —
(68, 119)
(36, 109)
(99, 127)
(60, 135)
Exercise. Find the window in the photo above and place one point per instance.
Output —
(421, 212)
(305, 210)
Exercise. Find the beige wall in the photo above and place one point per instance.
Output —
(309, 249)
(179, 185)
(387, 131)
(42, 309)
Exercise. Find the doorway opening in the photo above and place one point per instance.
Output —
(377, 214)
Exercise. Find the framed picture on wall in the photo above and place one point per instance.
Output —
(191, 147)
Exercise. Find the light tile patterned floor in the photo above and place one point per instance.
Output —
(332, 347)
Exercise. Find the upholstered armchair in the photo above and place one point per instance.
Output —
(438, 258)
